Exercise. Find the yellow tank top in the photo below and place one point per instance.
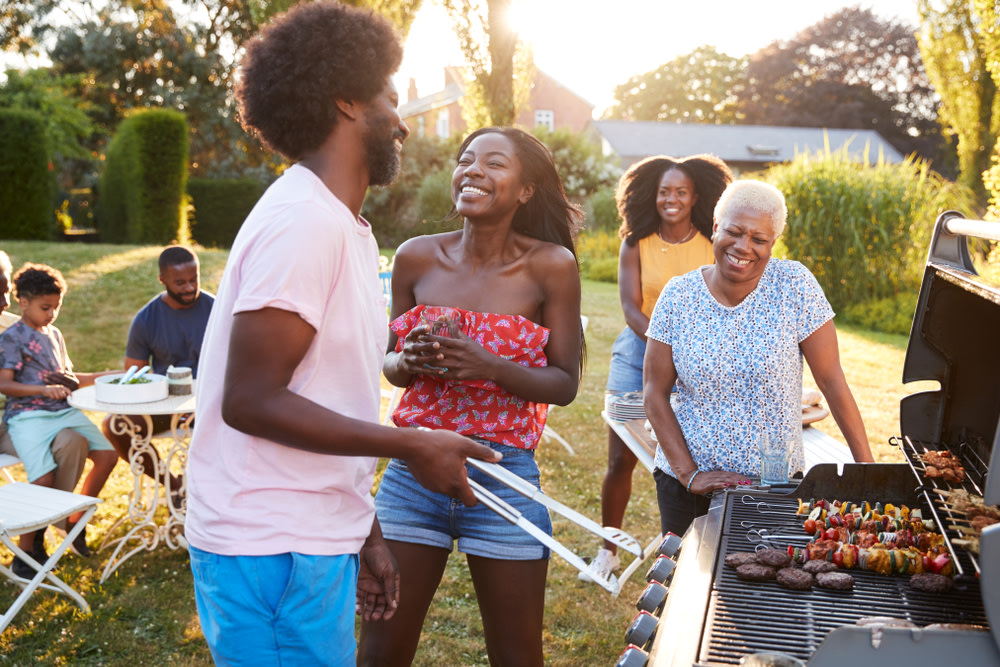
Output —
(659, 262)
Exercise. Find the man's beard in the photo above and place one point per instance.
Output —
(381, 153)
(183, 299)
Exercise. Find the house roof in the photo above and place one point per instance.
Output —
(634, 140)
(452, 93)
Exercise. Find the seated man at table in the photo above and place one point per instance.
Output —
(166, 332)
(69, 448)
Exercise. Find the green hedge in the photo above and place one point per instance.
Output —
(26, 184)
(862, 229)
(142, 189)
(891, 315)
(220, 207)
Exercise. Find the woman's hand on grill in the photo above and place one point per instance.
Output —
(712, 480)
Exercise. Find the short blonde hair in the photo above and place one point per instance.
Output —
(757, 196)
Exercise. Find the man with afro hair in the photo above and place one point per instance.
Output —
(281, 524)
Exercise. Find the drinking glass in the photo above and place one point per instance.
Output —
(775, 452)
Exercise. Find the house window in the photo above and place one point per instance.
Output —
(420, 126)
(546, 119)
(442, 124)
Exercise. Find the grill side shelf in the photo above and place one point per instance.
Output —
(947, 517)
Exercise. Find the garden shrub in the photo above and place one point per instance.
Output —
(598, 254)
(582, 167)
(602, 210)
(891, 315)
(604, 270)
(142, 189)
(862, 230)
(220, 207)
(434, 203)
(27, 188)
(393, 210)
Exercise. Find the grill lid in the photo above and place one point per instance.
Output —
(953, 341)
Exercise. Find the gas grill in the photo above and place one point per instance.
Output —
(703, 615)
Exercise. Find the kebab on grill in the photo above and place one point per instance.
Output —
(976, 511)
(887, 540)
(944, 465)
(878, 558)
(866, 526)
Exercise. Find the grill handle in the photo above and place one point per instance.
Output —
(949, 246)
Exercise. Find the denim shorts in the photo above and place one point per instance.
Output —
(408, 512)
(283, 609)
(625, 372)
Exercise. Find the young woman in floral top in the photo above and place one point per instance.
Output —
(503, 296)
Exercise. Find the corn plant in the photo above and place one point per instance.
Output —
(862, 228)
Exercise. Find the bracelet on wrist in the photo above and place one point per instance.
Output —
(691, 479)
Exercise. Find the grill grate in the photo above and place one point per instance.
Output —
(944, 514)
(747, 617)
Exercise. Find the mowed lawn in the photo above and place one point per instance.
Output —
(145, 613)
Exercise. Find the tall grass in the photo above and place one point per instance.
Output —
(145, 613)
(862, 230)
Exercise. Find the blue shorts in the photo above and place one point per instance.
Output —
(625, 372)
(408, 512)
(32, 434)
(285, 609)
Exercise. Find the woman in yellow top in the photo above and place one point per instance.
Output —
(666, 208)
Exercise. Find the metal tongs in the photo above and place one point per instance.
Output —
(505, 510)
(613, 535)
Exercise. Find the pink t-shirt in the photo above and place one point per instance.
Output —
(299, 250)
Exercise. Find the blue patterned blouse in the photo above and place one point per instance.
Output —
(739, 369)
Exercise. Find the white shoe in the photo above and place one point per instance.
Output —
(602, 566)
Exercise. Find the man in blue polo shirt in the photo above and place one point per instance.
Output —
(166, 332)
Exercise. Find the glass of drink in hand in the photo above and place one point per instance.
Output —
(441, 321)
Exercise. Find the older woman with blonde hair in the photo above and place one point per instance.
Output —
(732, 336)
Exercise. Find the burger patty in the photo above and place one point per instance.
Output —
(797, 580)
(774, 558)
(931, 583)
(740, 558)
(817, 566)
(755, 572)
(838, 581)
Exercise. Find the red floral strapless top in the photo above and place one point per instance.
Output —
(477, 407)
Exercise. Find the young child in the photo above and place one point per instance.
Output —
(37, 375)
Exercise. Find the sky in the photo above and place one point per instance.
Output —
(591, 46)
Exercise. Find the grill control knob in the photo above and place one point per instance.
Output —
(670, 545)
(640, 632)
(632, 656)
(652, 598)
(661, 570)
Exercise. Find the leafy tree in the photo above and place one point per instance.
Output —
(146, 59)
(501, 71)
(57, 99)
(692, 88)
(582, 167)
(990, 14)
(23, 23)
(850, 70)
(143, 54)
(400, 12)
(955, 43)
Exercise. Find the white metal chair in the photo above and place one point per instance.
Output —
(25, 508)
